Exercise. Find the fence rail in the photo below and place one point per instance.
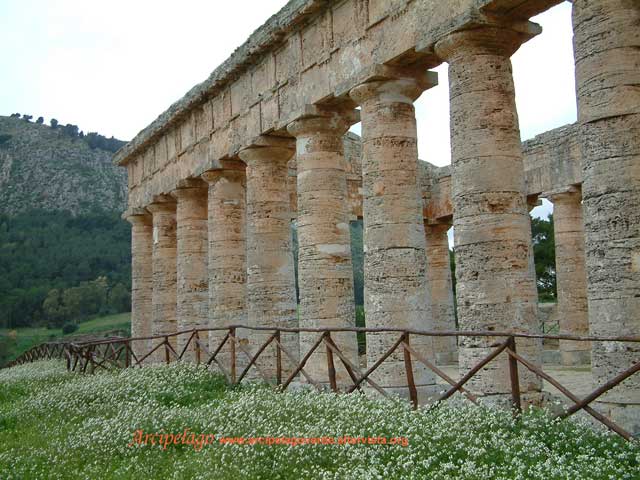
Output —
(135, 352)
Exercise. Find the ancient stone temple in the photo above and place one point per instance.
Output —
(216, 181)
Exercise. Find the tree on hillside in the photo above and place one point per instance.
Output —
(52, 307)
(40, 120)
(54, 123)
(119, 299)
(70, 130)
(15, 115)
(27, 118)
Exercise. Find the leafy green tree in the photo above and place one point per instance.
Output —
(120, 298)
(52, 307)
(40, 120)
(27, 118)
(72, 303)
(70, 130)
(545, 257)
(357, 258)
(54, 123)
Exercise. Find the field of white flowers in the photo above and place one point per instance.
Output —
(55, 424)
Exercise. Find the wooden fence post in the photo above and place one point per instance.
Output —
(232, 336)
(413, 393)
(513, 375)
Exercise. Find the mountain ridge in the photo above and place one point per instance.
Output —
(43, 168)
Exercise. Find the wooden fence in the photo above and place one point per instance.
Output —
(126, 353)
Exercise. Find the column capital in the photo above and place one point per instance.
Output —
(190, 187)
(570, 194)
(436, 228)
(268, 148)
(137, 216)
(162, 204)
(533, 201)
(494, 39)
(233, 173)
(317, 119)
(397, 85)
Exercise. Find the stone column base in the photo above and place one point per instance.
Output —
(447, 358)
(627, 415)
(571, 358)
(426, 393)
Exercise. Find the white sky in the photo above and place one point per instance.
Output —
(113, 67)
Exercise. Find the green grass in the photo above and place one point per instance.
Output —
(56, 424)
(27, 337)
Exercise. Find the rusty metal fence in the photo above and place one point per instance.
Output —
(136, 352)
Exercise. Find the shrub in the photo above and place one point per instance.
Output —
(68, 328)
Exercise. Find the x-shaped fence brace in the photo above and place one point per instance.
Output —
(118, 353)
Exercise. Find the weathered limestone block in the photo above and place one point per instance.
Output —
(163, 317)
(607, 56)
(227, 258)
(325, 271)
(192, 278)
(141, 280)
(495, 287)
(396, 294)
(271, 294)
(441, 291)
(571, 277)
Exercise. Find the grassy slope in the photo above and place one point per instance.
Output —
(55, 424)
(28, 337)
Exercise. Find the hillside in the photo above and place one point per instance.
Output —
(43, 168)
(64, 250)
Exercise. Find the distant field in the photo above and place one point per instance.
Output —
(25, 338)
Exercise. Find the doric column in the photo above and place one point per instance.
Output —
(325, 271)
(396, 293)
(271, 293)
(441, 290)
(227, 255)
(607, 56)
(192, 279)
(141, 279)
(571, 278)
(495, 287)
(163, 317)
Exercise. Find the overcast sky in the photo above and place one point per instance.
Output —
(113, 67)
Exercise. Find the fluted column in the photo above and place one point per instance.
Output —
(441, 290)
(325, 271)
(494, 283)
(271, 293)
(571, 278)
(141, 279)
(227, 255)
(396, 293)
(163, 317)
(607, 57)
(192, 279)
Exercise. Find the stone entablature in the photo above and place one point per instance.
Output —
(311, 52)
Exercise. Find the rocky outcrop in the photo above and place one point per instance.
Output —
(41, 167)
